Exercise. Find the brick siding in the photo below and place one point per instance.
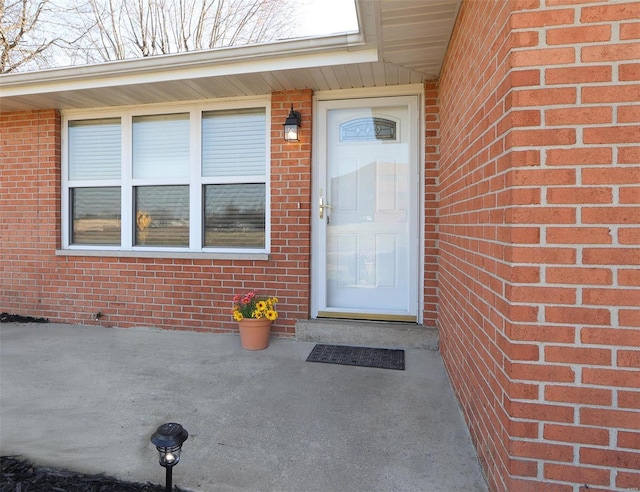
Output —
(539, 227)
(432, 157)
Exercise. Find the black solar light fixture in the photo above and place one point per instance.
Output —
(291, 126)
(168, 439)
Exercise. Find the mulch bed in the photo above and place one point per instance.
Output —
(17, 475)
(16, 318)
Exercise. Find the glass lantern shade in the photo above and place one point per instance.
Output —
(291, 133)
(292, 126)
(169, 456)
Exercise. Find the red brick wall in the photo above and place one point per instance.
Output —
(539, 236)
(29, 208)
(181, 294)
(432, 158)
(472, 310)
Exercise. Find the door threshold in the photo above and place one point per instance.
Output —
(368, 317)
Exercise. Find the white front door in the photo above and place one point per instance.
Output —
(366, 209)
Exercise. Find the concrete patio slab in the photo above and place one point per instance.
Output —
(88, 399)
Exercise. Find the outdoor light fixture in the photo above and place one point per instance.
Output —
(168, 439)
(291, 126)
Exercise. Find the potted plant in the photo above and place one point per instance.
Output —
(254, 315)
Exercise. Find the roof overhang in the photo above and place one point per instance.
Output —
(340, 61)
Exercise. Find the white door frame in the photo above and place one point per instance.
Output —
(317, 263)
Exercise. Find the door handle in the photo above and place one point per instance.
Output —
(321, 207)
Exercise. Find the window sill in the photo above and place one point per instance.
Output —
(161, 254)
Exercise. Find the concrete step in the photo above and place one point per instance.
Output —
(380, 334)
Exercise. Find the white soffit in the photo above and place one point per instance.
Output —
(415, 33)
(400, 42)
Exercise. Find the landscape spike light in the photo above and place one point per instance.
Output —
(168, 439)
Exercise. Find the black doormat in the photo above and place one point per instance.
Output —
(358, 356)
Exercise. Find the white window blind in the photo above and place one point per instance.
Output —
(94, 149)
(161, 146)
(233, 143)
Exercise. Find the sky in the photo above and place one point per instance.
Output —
(326, 17)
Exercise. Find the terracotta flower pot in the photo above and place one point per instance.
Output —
(254, 333)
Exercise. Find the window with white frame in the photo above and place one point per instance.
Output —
(184, 180)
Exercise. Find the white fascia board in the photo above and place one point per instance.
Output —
(305, 53)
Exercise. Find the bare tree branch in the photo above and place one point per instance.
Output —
(19, 42)
(44, 33)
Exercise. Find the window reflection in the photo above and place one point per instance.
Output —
(95, 215)
(162, 216)
(234, 215)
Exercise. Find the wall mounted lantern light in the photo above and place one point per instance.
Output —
(168, 439)
(292, 126)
